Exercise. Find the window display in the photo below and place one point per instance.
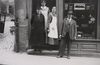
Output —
(85, 14)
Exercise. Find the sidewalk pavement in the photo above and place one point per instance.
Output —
(11, 58)
(7, 40)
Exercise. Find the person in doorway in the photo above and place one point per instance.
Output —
(69, 32)
(37, 37)
(53, 31)
(45, 12)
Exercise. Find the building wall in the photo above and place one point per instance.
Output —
(86, 46)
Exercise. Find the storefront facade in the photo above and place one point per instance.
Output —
(88, 37)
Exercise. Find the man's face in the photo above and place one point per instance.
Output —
(70, 16)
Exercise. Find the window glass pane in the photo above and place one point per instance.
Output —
(85, 14)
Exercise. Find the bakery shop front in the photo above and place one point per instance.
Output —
(86, 14)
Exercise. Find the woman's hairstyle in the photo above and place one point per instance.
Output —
(53, 7)
(43, 1)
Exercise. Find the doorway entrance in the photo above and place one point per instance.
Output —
(46, 11)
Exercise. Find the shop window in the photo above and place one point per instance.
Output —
(85, 14)
(86, 25)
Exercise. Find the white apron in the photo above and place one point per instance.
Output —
(53, 32)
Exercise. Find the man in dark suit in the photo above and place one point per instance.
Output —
(69, 32)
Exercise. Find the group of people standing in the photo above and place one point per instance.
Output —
(44, 28)
(44, 25)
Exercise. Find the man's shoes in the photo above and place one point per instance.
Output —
(59, 56)
(68, 57)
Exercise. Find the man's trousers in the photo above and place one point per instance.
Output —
(65, 42)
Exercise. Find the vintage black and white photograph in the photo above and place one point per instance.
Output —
(49, 32)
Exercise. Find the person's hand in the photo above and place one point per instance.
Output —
(60, 36)
(48, 30)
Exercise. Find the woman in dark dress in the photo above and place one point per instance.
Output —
(37, 37)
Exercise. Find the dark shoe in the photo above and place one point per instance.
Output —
(59, 56)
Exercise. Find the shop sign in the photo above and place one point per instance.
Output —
(79, 6)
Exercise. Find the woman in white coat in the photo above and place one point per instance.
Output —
(45, 12)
